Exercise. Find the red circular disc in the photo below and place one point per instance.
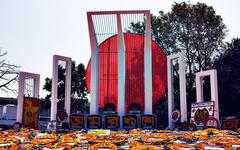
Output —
(134, 73)
(176, 115)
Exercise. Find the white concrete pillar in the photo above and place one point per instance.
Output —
(20, 97)
(68, 84)
(199, 89)
(214, 88)
(121, 70)
(53, 114)
(170, 92)
(21, 85)
(94, 67)
(148, 66)
(214, 93)
(182, 86)
(36, 85)
(54, 98)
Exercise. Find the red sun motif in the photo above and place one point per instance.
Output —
(134, 74)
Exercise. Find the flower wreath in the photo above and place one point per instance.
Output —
(110, 146)
(155, 138)
(44, 139)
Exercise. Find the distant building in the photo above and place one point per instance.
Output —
(8, 100)
(9, 112)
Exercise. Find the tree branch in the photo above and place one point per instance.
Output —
(8, 82)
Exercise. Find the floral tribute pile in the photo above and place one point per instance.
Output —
(136, 139)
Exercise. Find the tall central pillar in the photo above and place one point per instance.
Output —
(105, 28)
(121, 70)
(147, 67)
(94, 67)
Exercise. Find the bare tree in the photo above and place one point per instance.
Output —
(8, 74)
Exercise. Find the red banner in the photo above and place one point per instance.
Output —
(30, 112)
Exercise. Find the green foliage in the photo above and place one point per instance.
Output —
(228, 67)
(197, 31)
(194, 29)
(79, 100)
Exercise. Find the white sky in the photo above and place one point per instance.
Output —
(32, 31)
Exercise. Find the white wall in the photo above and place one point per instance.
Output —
(9, 112)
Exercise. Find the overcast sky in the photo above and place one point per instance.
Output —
(32, 31)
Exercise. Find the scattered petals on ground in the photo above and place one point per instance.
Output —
(136, 139)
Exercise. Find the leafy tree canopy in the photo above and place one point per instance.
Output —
(194, 29)
(228, 67)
